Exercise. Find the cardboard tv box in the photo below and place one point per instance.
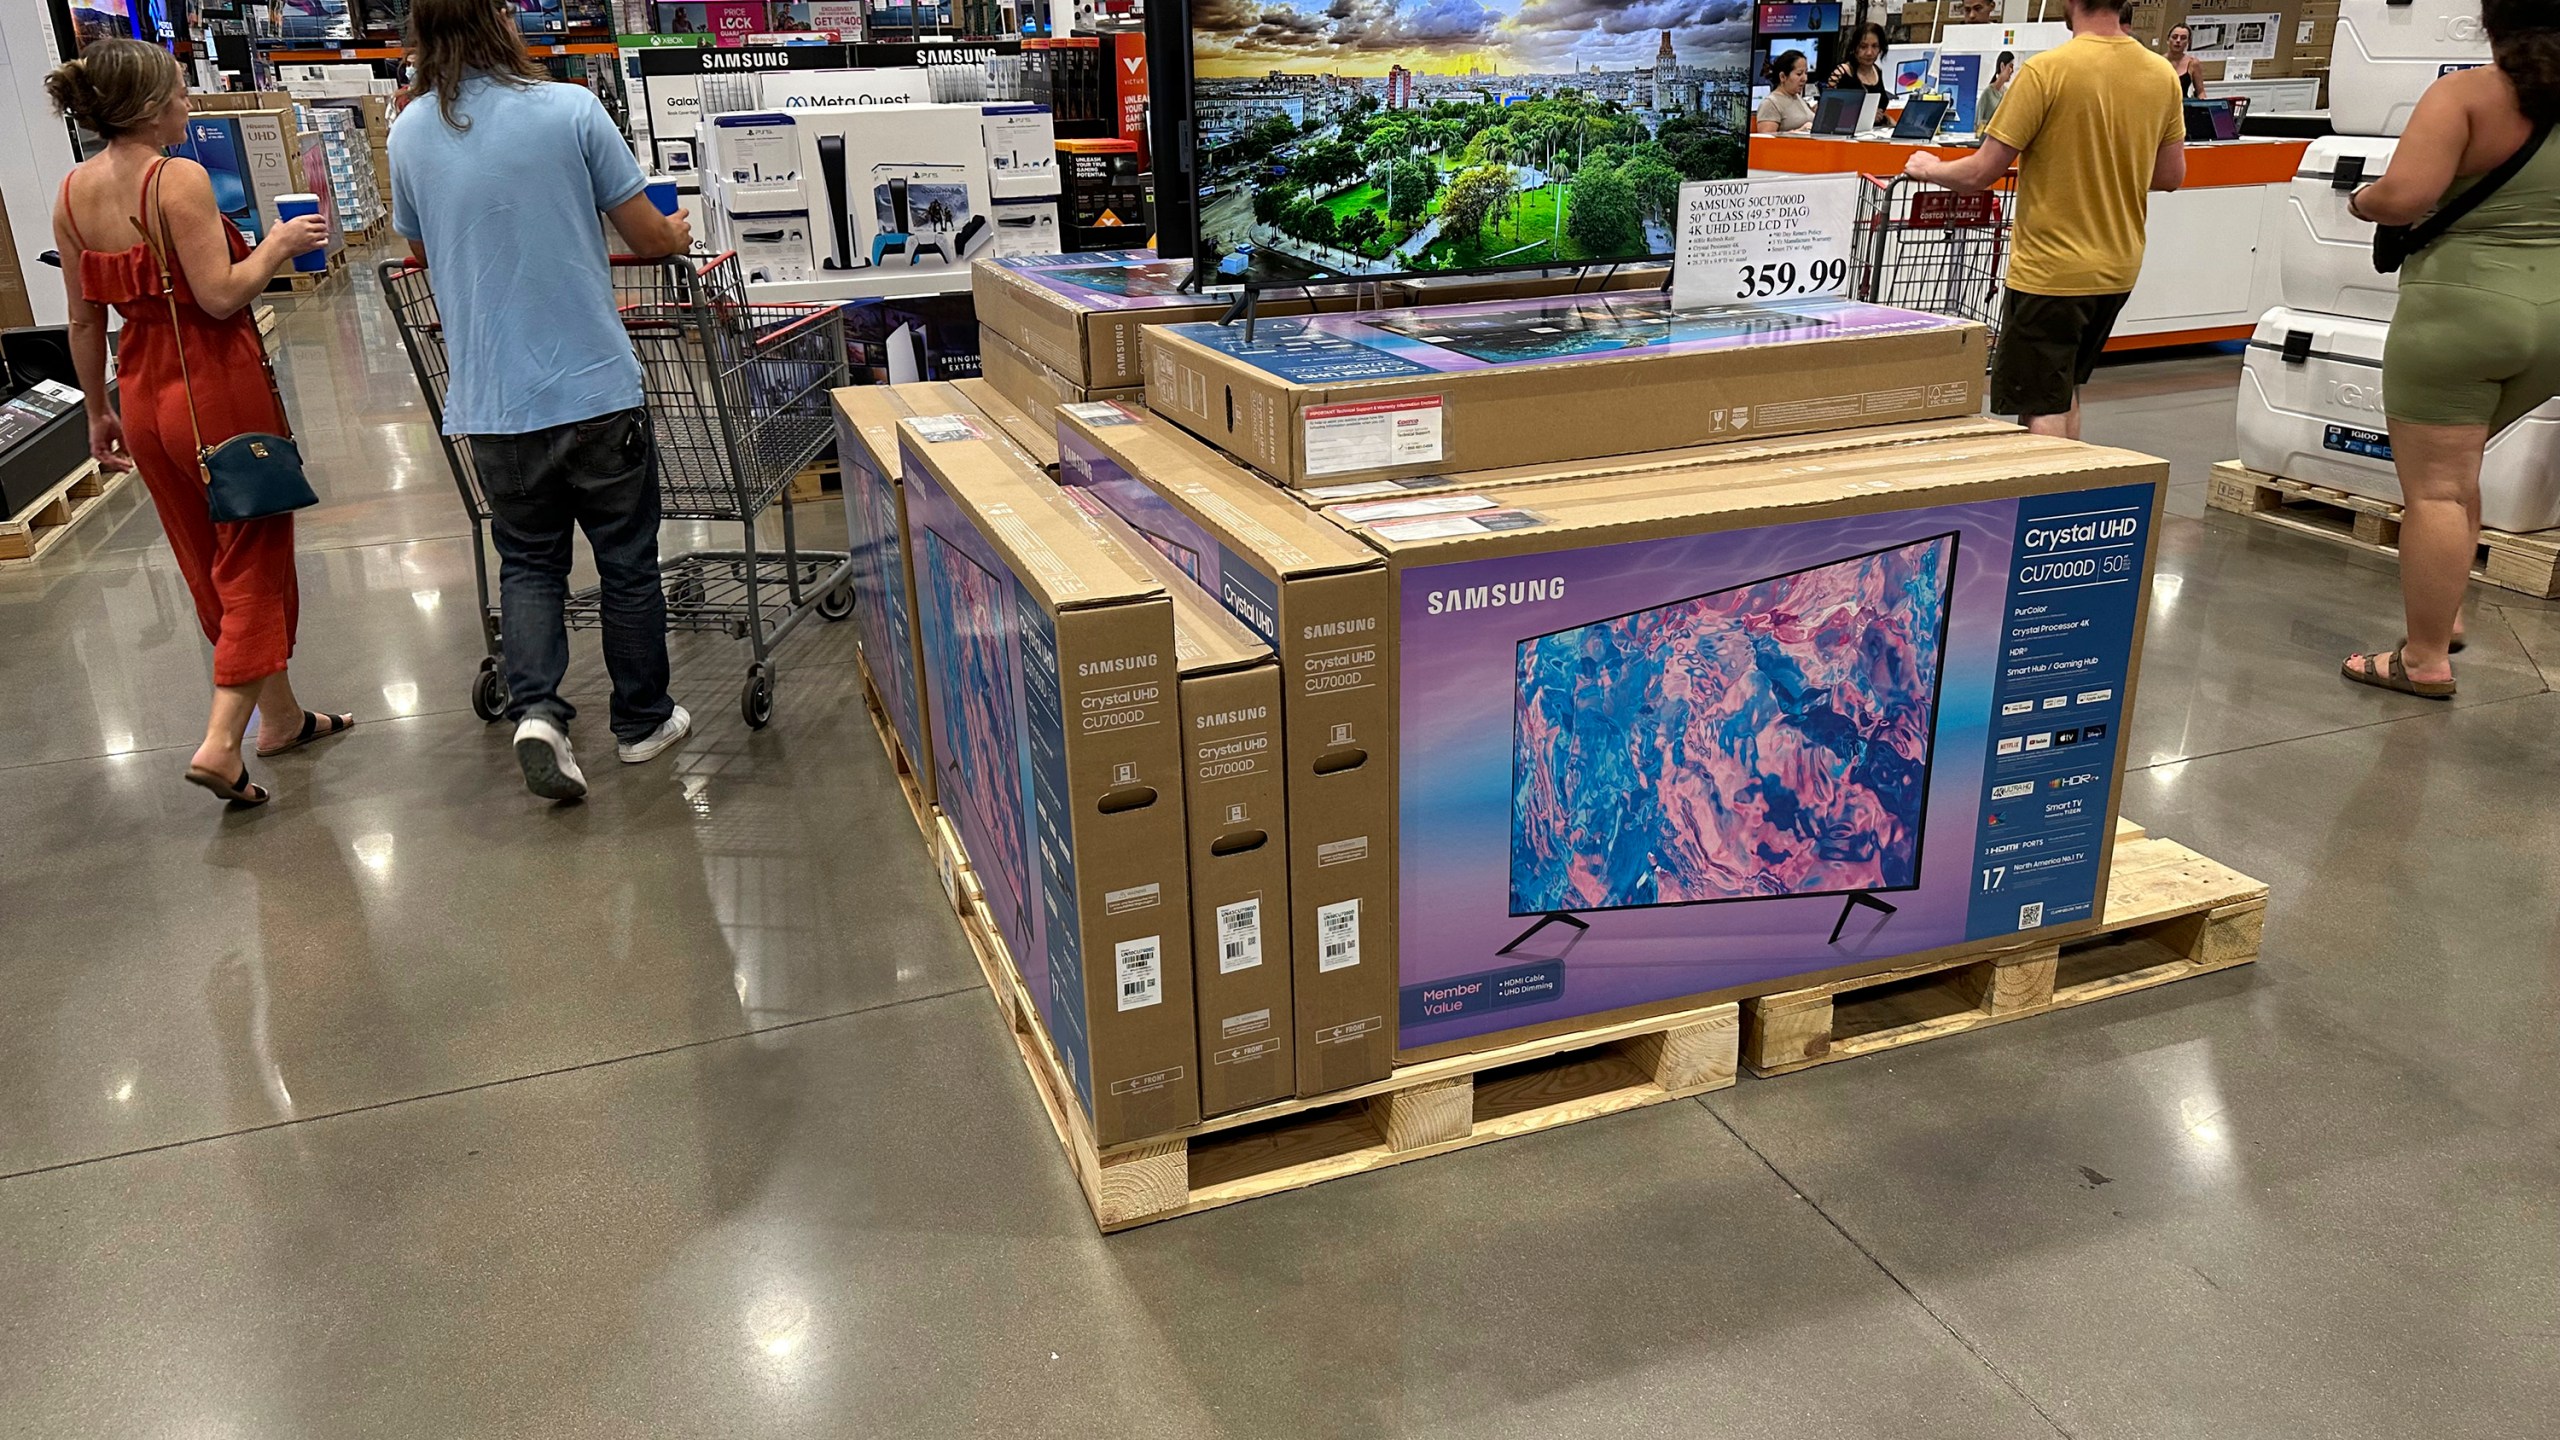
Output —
(1671, 738)
(1235, 804)
(1328, 399)
(1319, 597)
(1412, 495)
(1035, 438)
(1058, 738)
(1034, 386)
(1080, 314)
(884, 582)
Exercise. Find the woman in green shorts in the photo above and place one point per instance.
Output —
(2475, 343)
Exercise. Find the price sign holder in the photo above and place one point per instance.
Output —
(1777, 237)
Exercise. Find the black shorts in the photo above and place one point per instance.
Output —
(2049, 346)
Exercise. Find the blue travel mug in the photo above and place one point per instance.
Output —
(291, 206)
(662, 193)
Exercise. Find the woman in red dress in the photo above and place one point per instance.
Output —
(241, 574)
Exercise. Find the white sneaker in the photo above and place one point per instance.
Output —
(550, 771)
(642, 751)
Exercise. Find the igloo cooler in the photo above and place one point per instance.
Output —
(2385, 56)
(2311, 410)
(2324, 259)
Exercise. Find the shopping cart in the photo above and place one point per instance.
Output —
(737, 398)
(1920, 247)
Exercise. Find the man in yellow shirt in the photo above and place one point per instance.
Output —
(2093, 127)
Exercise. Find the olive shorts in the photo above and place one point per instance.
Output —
(2463, 355)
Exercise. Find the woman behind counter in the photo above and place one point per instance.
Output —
(1786, 111)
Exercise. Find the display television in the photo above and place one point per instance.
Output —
(973, 686)
(1372, 137)
(1767, 740)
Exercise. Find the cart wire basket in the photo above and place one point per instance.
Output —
(738, 405)
(1920, 247)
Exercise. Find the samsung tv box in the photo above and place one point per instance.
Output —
(1034, 437)
(1235, 802)
(1318, 597)
(1028, 383)
(1666, 739)
(1412, 495)
(1057, 733)
(1329, 399)
(1080, 314)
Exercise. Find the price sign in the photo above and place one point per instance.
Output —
(1776, 238)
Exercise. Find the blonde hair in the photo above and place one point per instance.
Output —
(116, 86)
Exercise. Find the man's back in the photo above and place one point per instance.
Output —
(507, 211)
(2088, 119)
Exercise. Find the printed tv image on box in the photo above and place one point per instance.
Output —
(1667, 767)
(1361, 137)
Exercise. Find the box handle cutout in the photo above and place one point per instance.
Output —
(1120, 799)
(1231, 409)
(1238, 843)
(1334, 762)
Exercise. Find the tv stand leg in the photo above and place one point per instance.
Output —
(1556, 918)
(1855, 899)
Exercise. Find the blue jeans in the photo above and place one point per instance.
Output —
(600, 476)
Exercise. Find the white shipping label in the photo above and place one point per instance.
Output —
(1239, 936)
(1141, 969)
(1338, 935)
(1373, 434)
(1377, 510)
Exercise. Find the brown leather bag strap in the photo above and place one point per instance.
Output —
(163, 249)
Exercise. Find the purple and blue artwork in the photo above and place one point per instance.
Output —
(1772, 739)
(973, 688)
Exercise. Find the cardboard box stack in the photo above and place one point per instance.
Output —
(1410, 683)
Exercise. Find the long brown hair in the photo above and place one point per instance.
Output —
(448, 39)
(2525, 39)
(116, 86)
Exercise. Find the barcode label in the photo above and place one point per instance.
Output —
(1141, 969)
(2030, 916)
(1338, 935)
(1239, 936)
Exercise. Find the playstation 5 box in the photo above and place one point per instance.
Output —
(1318, 596)
(1681, 736)
(1057, 733)
(1331, 399)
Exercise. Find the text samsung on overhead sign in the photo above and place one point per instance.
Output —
(2087, 532)
(1495, 597)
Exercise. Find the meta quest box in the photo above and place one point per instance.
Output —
(1329, 399)
(1665, 738)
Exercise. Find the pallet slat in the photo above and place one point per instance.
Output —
(48, 521)
(2528, 562)
(2171, 914)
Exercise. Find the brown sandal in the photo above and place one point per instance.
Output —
(2393, 677)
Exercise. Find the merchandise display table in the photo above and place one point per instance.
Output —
(2200, 280)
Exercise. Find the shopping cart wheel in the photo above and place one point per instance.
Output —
(755, 702)
(836, 604)
(489, 692)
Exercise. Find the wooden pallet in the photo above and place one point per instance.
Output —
(48, 522)
(2528, 562)
(264, 315)
(922, 809)
(1419, 1111)
(821, 477)
(2171, 913)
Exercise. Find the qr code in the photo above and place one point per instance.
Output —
(1239, 936)
(1141, 969)
(2030, 916)
(1338, 935)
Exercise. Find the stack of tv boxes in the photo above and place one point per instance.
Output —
(1413, 682)
(2311, 405)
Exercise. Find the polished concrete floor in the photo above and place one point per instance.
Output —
(410, 1106)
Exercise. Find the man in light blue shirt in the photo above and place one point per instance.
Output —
(497, 176)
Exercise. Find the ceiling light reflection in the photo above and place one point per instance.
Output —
(375, 851)
(401, 697)
(426, 600)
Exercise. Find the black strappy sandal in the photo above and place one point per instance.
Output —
(312, 721)
(242, 793)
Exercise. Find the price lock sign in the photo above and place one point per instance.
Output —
(1779, 237)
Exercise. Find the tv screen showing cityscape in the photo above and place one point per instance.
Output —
(1388, 137)
(1767, 740)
